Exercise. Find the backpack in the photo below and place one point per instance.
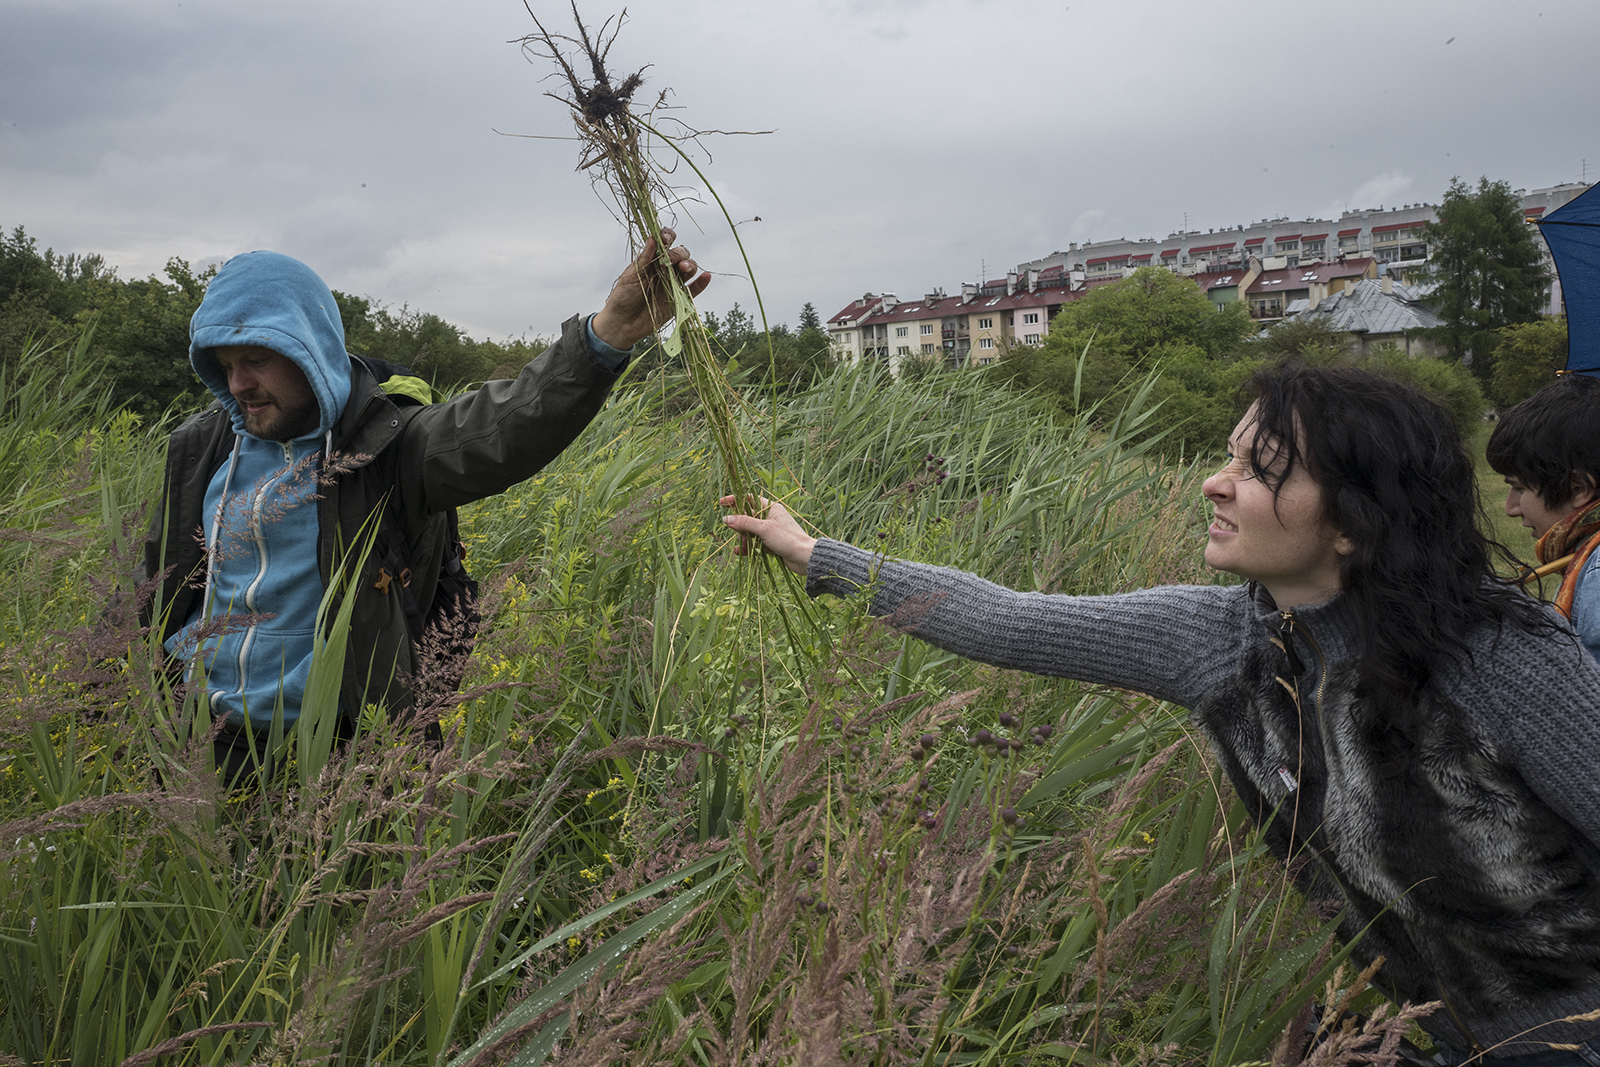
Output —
(450, 627)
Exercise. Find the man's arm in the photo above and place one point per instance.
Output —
(483, 442)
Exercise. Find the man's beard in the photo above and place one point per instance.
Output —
(281, 424)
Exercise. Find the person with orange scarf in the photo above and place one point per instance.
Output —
(1548, 449)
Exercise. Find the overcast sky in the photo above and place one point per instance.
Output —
(918, 143)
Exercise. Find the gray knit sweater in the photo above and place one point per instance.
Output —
(1476, 872)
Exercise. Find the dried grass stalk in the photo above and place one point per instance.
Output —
(619, 139)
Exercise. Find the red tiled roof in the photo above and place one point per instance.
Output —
(1291, 278)
(1534, 211)
(1166, 252)
(1049, 271)
(1146, 255)
(1397, 226)
(899, 312)
(1107, 259)
(1347, 269)
(1211, 248)
(1255, 241)
(1216, 279)
(1313, 237)
(1282, 237)
(855, 310)
(1347, 233)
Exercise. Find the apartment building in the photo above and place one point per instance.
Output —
(1391, 237)
(1275, 294)
(1280, 267)
(974, 328)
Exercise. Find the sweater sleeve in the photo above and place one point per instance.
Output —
(1172, 642)
(1538, 696)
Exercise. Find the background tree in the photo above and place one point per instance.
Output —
(791, 359)
(1486, 263)
(812, 339)
(1526, 359)
(41, 293)
(141, 336)
(1150, 322)
(1311, 339)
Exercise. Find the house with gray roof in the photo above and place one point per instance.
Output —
(1378, 313)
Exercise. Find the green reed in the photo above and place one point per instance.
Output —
(610, 851)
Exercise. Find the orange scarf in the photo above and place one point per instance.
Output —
(1579, 534)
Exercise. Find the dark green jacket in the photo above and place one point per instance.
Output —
(415, 463)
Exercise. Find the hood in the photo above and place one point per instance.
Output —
(268, 299)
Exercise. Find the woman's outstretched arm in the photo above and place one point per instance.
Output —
(1172, 642)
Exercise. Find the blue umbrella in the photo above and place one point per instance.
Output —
(1573, 233)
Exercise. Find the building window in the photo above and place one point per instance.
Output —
(1313, 248)
(1348, 242)
(985, 324)
(1030, 338)
(1030, 318)
(986, 342)
(927, 328)
(1288, 246)
(927, 350)
(903, 350)
(901, 331)
(1385, 238)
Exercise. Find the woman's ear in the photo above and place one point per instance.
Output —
(1343, 545)
(1584, 489)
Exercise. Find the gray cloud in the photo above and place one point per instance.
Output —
(918, 141)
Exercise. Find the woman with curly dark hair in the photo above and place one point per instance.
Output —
(1416, 733)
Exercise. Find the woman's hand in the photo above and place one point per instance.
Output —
(638, 304)
(778, 531)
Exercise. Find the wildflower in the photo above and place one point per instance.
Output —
(1012, 952)
(811, 866)
(590, 874)
(1007, 719)
(1008, 816)
(928, 740)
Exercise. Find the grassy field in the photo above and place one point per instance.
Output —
(681, 814)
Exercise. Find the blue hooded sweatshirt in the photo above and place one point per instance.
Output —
(260, 507)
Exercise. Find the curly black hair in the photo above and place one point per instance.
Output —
(1398, 484)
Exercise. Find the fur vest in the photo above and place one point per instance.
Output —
(1441, 857)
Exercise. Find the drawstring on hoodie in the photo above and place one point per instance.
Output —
(216, 529)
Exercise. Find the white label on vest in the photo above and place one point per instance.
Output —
(1288, 779)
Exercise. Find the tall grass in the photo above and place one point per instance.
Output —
(633, 844)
